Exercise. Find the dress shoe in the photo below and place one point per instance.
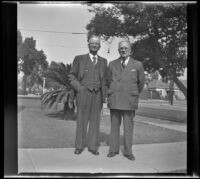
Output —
(94, 152)
(130, 157)
(112, 154)
(78, 151)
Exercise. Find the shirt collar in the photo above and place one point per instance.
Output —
(126, 61)
(91, 56)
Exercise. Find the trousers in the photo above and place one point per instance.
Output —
(89, 105)
(114, 142)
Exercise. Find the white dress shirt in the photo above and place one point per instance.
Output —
(126, 61)
(91, 57)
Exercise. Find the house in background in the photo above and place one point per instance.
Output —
(163, 89)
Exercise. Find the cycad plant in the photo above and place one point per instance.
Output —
(58, 72)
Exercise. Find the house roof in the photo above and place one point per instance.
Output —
(158, 84)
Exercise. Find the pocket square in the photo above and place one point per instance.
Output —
(133, 70)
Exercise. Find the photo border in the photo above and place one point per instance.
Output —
(9, 34)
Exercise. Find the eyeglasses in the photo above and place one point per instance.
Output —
(94, 44)
(124, 48)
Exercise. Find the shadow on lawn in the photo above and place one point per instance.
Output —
(61, 116)
(20, 108)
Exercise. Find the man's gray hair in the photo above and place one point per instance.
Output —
(94, 36)
(126, 41)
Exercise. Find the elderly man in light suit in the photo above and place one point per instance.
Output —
(88, 78)
(126, 81)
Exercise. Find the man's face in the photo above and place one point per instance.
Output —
(124, 49)
(94, 44)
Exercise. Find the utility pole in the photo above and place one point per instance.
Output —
(171, 87)
(171, 91)
(43, 86)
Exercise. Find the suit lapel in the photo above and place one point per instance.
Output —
(118, 67)
(82, 64)
(129, 66)
(101, 66)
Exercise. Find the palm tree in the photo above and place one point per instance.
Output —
(58, 72)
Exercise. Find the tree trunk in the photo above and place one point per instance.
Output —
(158, 59)
(180, 85)
(68, 113)
(171, 91)
(24, 84)
(29, 90)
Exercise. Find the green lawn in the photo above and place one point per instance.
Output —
(165, 114)
(46, 129)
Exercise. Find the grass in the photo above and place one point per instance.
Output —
(46, 129)
(165, 114)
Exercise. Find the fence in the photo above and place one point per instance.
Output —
(147, 94)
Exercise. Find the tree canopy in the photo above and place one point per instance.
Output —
(160, 32)
(31, 62)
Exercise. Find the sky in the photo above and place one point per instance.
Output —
(33, 19)
(60, 47)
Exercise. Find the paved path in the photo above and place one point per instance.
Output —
(150, 158)
(162, 123)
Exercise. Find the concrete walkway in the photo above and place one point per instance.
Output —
(150, 158)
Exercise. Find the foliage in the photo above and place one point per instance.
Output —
(160, 32)
(58, 72)
(31, 62)
(154, 76)
(19, 50)
(50, 99)
(32, 57)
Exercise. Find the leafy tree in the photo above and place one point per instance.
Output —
(58, 72)
(31, 61)
(160, 32)
(154, 76)
(19, 50)
(52, 85)
(36, 76)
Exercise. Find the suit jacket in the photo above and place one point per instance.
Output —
(78, 69)
(125, 85)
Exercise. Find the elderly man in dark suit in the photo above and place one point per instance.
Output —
(126, 81)
(88, 79)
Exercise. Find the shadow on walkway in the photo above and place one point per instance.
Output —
(104, 139)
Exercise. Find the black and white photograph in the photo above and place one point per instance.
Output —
(102, 87)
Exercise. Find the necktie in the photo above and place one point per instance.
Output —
(94, 60)
(123, 63)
